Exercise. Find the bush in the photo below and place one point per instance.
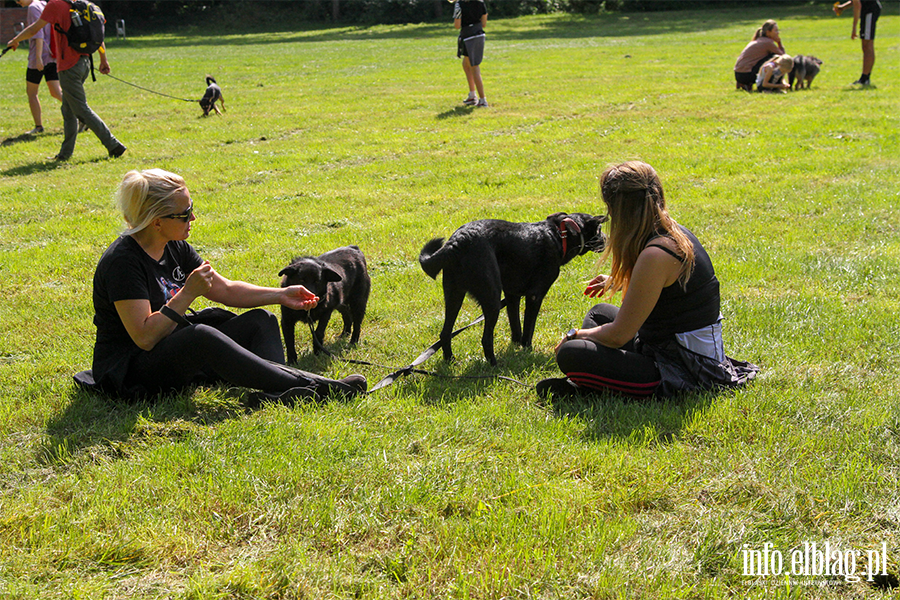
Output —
(157, 14)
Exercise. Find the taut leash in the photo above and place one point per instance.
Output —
(149, 90)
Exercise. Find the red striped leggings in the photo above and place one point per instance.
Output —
(594, 366)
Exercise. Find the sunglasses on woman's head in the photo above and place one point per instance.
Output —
(185, 216)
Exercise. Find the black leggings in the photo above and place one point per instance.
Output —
(244, 351)
(750, 78)
(594, 366)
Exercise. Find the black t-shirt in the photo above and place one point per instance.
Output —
(469, 12)
(126, 272)
(870, 6)
(685, 309)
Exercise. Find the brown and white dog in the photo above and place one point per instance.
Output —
(212, 95)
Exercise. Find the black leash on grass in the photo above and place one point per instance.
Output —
(411, 368)
(149, 90)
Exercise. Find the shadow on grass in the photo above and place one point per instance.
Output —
(444, 382)
(25, 137)
(634, 422)
(32, 168)
(453, 381)
(93, 419)
(861, 88)
(456, 111)
(561, 27)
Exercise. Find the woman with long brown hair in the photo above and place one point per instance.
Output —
(666, 337)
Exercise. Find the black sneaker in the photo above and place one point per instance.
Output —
(357, 382)
(118, 151)
(558, 387)
(346, 388)
(58, 158)
(289, 396)
(470, 101)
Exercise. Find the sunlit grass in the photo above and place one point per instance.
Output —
(462, 488)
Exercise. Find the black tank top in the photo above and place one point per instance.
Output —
(684, 309)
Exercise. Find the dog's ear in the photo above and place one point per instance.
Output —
(329, 275)
(571, 225)
(557, 218)
(288, 270)
(602, 218)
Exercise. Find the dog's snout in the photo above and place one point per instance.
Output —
(598, 242)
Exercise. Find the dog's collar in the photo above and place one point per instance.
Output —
(565, 226)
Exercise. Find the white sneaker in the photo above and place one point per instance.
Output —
(36, 130)
(482, 103)
(469, 101)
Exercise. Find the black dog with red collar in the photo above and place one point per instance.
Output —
(491, 258)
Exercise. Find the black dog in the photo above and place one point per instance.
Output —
(212, 95)
(340, 278)
(805, 70)
(491, 257)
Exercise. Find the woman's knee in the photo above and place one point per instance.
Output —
(579, 356)
(260, 317)
(600, 314)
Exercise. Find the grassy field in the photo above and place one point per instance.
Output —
(466, 488)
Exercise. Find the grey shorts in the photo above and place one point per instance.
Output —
(472, 47)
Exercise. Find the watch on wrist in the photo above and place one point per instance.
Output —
(571, 334)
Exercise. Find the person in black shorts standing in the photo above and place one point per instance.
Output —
(865, 16)
(41, 64)
(470, 17)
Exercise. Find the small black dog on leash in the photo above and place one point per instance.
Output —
(340, 278)
(212, 95)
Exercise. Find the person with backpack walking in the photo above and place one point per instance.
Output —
(41, 65)
(73, 67)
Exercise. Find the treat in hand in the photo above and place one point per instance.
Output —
(838, 9)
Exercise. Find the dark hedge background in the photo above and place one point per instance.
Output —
(256, 15)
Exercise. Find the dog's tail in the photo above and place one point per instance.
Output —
(209, 79)
(430, 260)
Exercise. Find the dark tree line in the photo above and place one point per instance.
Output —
(261, 13)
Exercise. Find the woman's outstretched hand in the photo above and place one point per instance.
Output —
(299, 298)
(596, 287)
